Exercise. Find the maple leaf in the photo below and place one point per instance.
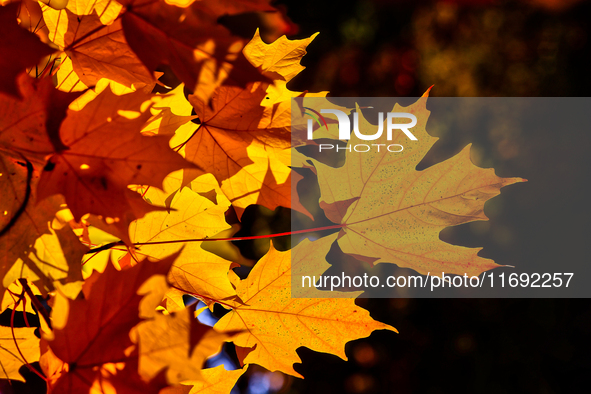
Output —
(29, 133)
(110, 378)
(176, 343)
(95, 50)
(251, 163)
(52, 261)
(191, 217)
(200, 51)
(216, 380)
(29, 15)
(93, 333)
(171, 115)
(34, 249)
(275, 325)
(390, 212)
(55, 4)
(67, 80)
(29, 128)
(309, 260)
(11, 301)
(165, 122)
(244, 138)
(107, 10)
(10, 357)
(279, 60)
(20, 49)
(106, 152)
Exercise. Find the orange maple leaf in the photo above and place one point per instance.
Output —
(29, 132)
(93, 332)
(200, 51)
(20, 49)
(106, 152)
(29, 128)
(250, 162)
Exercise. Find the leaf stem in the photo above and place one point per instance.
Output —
(29, 366)
(202, 297)
(248, 238)
(40, 308)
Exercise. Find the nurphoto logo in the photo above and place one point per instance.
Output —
(344, 127)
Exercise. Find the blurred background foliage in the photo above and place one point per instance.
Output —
(476, 48)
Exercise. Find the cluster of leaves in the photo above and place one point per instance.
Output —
(109, 192)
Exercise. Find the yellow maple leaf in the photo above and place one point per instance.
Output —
(177, 343)
(274, 325)
(392, 213)
(107, 10)
(96, 50)
(281, 58)
(67, 79)
(171, 114)
(192, 216)
(244, 138)
(216, 380)
(53, 260)
(10, 358)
